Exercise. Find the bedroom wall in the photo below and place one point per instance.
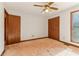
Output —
(33, 26)
(1, 28)
(65, 23)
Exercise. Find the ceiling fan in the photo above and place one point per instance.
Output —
(47, 7)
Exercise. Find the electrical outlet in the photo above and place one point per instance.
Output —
(32, 35)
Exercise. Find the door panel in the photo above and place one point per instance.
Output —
(53, 28)
(13, 29)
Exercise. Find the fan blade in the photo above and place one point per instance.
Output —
(50, 3)
(39, 5)
(53, 8)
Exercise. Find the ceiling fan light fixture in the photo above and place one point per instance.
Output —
(47, 7)
(46, 10)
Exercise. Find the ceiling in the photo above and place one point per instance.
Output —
(27, 7)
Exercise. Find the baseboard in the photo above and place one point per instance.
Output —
(34, 39)
(68, 44)
(3, 52)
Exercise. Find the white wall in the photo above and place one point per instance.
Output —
(33, 26)
(1, 28)
(65, 24)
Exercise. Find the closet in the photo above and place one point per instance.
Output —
(11, 28)
(53, 28)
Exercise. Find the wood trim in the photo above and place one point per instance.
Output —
(33, 39)
(5, 11)
(68, 44)
(30, 40)
(3, 52)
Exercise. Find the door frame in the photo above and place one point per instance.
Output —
(5, 15)
(71, 24)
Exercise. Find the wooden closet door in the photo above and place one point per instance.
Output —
(13, 29)
(53, 28)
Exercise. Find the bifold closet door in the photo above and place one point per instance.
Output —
(53, 28)
(13, 29)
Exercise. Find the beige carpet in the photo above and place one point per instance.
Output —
(40, 47)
